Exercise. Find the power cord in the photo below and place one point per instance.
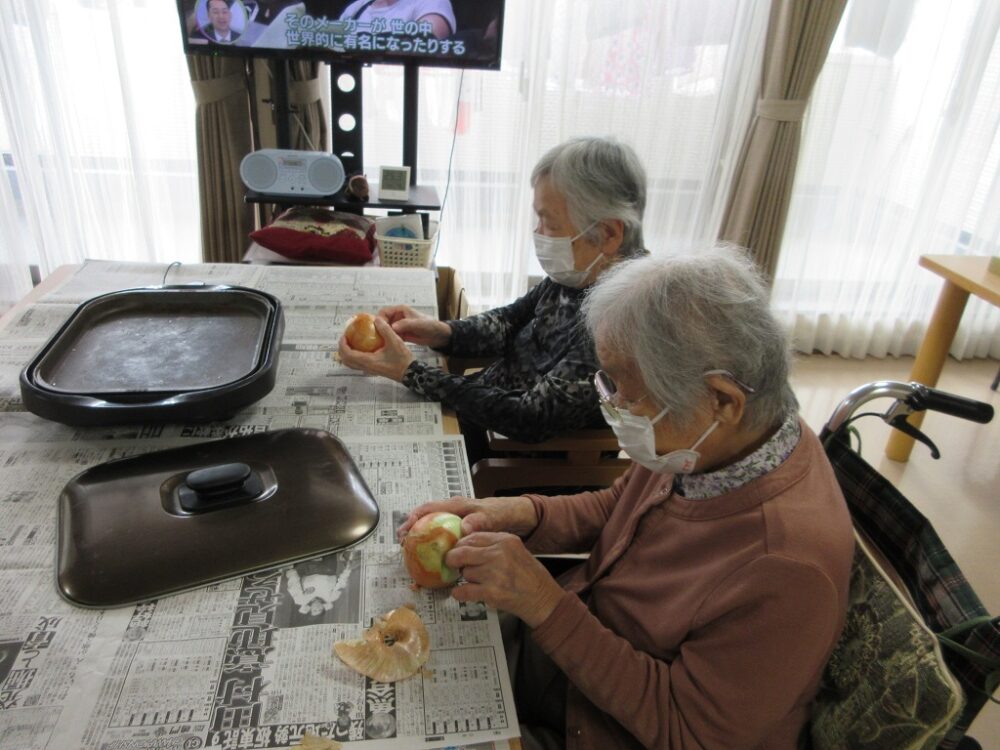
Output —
(305, 133)
(451, 156)
(166, 271)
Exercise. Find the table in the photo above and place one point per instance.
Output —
(238, 664)
(963, 275)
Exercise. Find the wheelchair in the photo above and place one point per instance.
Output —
(920, 655)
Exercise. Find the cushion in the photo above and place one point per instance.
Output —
(886, 684)
(319, 234)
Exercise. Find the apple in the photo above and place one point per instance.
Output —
(425, 546)
(361, 333)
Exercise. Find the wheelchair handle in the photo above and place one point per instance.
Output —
(915, 396)
(956, 406)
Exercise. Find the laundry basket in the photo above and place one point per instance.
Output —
(406, 251)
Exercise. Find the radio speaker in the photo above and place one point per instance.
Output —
(285, 172)
(326, 175)
(258, 172)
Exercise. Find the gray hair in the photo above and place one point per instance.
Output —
(601, 179)
(676, 316)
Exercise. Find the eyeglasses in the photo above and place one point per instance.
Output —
(607, 392)
(729, 376)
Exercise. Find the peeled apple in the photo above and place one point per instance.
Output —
(361, 333)
(425, 546)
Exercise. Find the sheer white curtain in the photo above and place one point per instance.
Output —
(677, 80)
(900, 158)
(96, 135)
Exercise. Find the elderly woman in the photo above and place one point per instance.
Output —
(589, 196)
(716, 585)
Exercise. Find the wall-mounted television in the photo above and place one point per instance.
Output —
(449, 33)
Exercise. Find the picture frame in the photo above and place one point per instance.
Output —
(394, 183)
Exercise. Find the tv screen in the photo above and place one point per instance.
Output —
(451, 33)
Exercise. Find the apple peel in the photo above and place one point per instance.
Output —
(393, 648)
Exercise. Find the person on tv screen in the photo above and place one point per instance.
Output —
(589, 197)
(438, 13)
(220, 18)
(269, 25)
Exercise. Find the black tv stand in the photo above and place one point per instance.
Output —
(348, 143)
(422, 198)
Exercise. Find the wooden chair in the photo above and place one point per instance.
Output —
(587, 458)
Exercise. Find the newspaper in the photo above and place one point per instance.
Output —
(245, 663)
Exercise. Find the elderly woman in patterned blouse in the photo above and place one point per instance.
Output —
(589, 197)
(716, 583)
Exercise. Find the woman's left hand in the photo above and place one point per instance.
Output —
(499, 570)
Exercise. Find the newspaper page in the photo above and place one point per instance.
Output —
(246, 663)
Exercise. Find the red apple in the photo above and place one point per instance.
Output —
(361, 333)
(425, 546)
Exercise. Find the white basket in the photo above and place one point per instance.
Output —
(403, 251)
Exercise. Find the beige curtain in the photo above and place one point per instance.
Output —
(225, 136)
(305, 98)
(798, 38)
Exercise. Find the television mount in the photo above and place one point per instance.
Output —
(347, 109)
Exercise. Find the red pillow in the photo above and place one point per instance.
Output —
(310, 233)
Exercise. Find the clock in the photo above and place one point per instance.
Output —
(394, 183)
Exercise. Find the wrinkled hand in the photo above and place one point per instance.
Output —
(390, 361)
(512, 514)
(416, 327)
(500, 571)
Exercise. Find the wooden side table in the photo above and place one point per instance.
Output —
(963, 275)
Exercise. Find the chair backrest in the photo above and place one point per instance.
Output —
(579, 459)
(886, 684)
(453, 303)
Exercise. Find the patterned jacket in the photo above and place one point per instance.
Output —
(542, 383)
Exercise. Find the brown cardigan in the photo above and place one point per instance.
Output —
(698, 623)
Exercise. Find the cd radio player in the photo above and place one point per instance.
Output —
(285, 172)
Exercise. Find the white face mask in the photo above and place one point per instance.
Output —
(637, 438)
(555, 255)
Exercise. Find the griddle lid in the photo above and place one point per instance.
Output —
(143, 527)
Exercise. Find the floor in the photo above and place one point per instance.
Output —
(959, 493)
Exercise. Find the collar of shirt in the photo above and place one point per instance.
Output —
(763, 460)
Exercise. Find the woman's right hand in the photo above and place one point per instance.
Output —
(515, 515)
(416, 327)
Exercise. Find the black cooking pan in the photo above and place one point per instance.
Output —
(169, 353)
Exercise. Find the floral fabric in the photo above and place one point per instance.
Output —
(886, 684)
(763, 460)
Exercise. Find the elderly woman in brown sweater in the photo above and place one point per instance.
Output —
(716, 582)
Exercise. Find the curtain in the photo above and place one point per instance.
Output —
(309, 126)
(225, 136)
(96, 137)
(676, 80)
(798, 38)
(900, 158)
